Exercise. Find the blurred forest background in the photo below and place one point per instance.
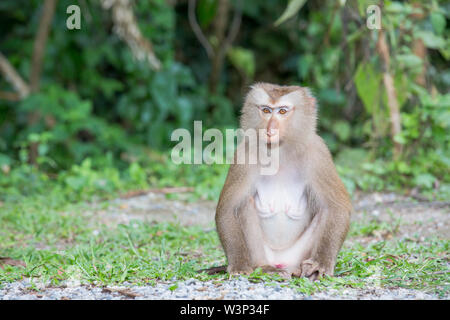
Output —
(90, 111)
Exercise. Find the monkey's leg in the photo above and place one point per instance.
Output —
(244, 246)
(249, 220)
(233, 242)
(251, 229)
(325, 237)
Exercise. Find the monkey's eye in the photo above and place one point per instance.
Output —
(282, 111)
(266, 110)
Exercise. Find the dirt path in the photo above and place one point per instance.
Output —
(409, 217)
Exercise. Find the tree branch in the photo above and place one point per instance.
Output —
(13, 77)
(216, 53)
(40, 42)
(197, 30)
(126, 27)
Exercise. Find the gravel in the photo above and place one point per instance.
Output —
(192, 289)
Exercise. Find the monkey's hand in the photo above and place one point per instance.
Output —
(311, 269)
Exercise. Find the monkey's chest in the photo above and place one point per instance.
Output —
(281, 206)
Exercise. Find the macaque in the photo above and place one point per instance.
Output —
(293, 222)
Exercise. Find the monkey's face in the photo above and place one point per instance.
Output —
(274, 121)
(280, 112)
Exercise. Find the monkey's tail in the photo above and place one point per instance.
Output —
(213, 270)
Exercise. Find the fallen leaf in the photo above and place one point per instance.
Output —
(11, 262)
(128, 293)
(125, 292)
(202, 289)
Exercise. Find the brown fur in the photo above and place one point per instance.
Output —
(327, 198)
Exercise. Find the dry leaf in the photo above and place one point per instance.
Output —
(125, 292)
(11, 262)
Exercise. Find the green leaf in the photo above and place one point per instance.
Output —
(342, 130)
(206, 11)
(291, 10)
(368, 82)
(431, 40)
(75, 182)
(403, 167)
(243, 60)
(446, 50)
(438, 22)
(396, 7)
(425, 180)
(173, 287)
(409, 60)
(399, 138)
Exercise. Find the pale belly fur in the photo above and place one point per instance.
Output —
(281, 205)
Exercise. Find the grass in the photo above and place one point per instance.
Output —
(63, 241)
(51, 226)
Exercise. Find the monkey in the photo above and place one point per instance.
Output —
(295, 221)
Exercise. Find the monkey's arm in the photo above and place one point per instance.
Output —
(331, 207)
(245, 219)
(233, 199)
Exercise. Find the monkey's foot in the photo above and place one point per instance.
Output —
(310, 269)
(284, 273)
(239, 270)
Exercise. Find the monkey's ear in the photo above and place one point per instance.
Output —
(310, 97)
(258, 95)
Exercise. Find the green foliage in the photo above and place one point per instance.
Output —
(206, 11)
(244, 60)
(66, 129)
(100, 113)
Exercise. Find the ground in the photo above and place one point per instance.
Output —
(397, 248)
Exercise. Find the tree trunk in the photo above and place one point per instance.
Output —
(37, 65)
(394, 109)
(220, 25)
